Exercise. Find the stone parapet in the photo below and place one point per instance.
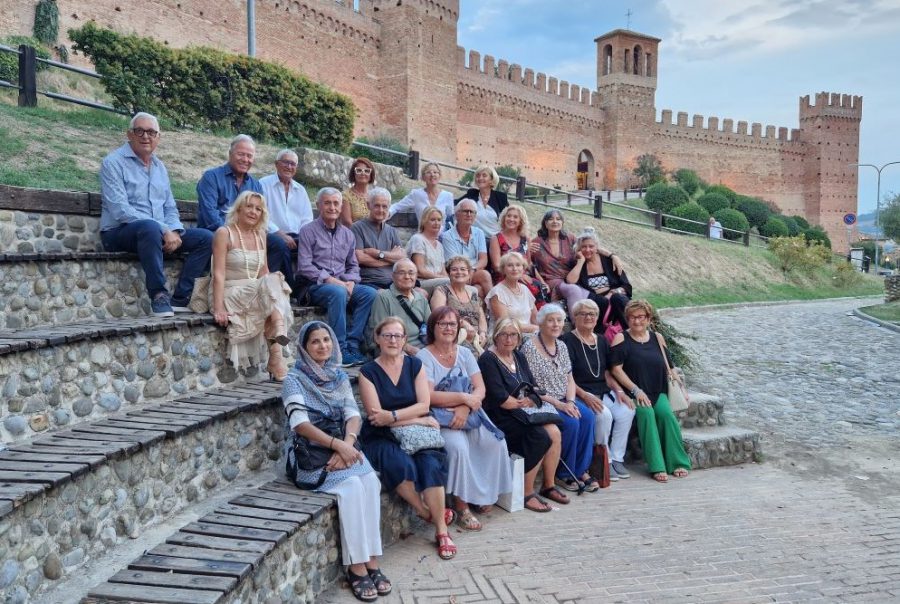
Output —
(892, 288)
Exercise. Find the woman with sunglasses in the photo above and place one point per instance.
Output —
(360, 177)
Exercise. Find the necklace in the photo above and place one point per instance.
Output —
(510, 368)
(587, 359)
(448, 356)
(250, 276)
(546, 350)
(516, 292)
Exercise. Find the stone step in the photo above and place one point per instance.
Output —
(274, 541)
(704, 410)
(721, 446)
(73, 495)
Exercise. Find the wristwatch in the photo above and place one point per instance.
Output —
(381, 255)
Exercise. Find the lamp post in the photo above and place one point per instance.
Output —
(877, 201)
(251, 28)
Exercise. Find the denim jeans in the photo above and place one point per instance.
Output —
(145, 238)
(335, 300)
(278, 257)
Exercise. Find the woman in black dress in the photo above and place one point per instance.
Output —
(394, 391)
(595, 274)
(504, 369)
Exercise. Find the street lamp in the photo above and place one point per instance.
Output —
(251, 28)
(877, 202)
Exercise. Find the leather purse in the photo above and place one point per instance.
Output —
(676, 394)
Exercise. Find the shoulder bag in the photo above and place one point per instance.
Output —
(677, 396)
(455, 381)
(309, 456)
(542, 413)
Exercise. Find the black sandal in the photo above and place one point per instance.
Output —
(378, 579)
(359, 584)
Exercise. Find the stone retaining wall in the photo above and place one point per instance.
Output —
(892, 288)
(51, 536)
(23, 232)
(62, 385)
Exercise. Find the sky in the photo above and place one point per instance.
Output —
(749, 60)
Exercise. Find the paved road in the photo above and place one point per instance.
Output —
(818, 521)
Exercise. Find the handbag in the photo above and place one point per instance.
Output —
(416, 437)
(676, 394)
(310, 456)
(455, 382)
(611, 330)
(199, 302)
(542, 413)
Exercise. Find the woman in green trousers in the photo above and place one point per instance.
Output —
(639, 366)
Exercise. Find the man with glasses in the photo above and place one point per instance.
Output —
(289, 209)
(139, 215)
(377, 243)
(465, 239)
(404, 301)
(219, 187)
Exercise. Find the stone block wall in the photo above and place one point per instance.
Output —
(892, 288)
(25, 232)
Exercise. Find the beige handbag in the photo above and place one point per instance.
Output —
(677, 396)
(199, 302)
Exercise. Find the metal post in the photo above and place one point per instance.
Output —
(598, 206)
(520, 188)
(413, 164)
(27, 77)
(251, 28)
(878, 169)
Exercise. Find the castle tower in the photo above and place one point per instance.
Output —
(418, 72)
(626, 81)
(829, 131)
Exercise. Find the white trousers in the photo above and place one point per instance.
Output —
(359, 512)
(611, 427)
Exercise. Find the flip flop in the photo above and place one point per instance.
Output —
(554, 494)
(541, 510)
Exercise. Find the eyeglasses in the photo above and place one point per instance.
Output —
(638, 318)
(287, 164)
(140, 132)
(465, 211)
(510, 334)
(393, 336)
(362, 170)
(447, 324)
(462, 269)
(586, 315)
(405, 273)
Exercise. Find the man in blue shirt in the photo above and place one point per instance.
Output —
(219, 187)
(139, 215)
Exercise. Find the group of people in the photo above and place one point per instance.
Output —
(459, 335)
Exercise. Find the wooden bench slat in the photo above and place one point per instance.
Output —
(184, 581)
(87, 439)
(218, 568)
(75, 469)
(68, 446)
(203, 553)
(274, 504)
(123, 592)
(18, 493)
(246, 521)
(18, 455)
(255, 512)
(200, 410)
(169, 430)
(220, 543)
(234, 532)
(52, 478)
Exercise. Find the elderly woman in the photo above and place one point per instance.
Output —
(548, 359)
(317, 391)
(595, 385)
(476, 449)
(513, 237)
(489, 201)
(553, 257)
(360, 177)
(510, 298)
(505, 371)
(250, 302)
(394, 391)
(639, 365)
(404, 301)
(594, 274)
(426, 252)
(429, 196)
(463, 298)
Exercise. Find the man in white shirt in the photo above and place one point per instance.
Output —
(289, 209)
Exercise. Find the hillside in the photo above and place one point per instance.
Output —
(62, 148)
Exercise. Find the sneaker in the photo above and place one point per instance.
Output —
(160, 306)
(618, 469)
(613, 477)
(179, 307)
(352, 358)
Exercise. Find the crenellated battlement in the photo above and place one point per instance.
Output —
(446, 9)
(771, 133)
(831, 104)
(472, 63)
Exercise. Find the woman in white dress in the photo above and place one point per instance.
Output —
(427, 253)
(250, 302)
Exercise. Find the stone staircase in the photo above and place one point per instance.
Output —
(114, 423)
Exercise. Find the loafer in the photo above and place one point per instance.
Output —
(617, 468)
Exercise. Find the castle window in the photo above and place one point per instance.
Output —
(638, 52)
(607, 59)
(626, 61)
(648, 71)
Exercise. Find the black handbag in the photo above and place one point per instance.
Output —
(310, 456)
(541, 414)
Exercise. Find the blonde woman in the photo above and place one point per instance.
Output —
(510, 298)
(426, 252)
(429, 196)
(513, 237)
(489, 200)
(252, 303)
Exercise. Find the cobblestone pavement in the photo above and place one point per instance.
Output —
(819, 520)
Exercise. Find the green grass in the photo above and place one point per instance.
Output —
(80, 118)
(62, 174)
(886, 312)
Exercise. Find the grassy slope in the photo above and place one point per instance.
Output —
(885, 312)
(58, 147)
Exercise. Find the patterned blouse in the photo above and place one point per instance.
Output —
(550, 374)
(358, 207)
(554, 269)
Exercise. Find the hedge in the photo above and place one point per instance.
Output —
(713, 202)
(754, 209)
(9, 62)
(730, 218)
(774, 227)
(691, 211)
(205, 88)
(723, 190)
(664, 198)
(687, 180)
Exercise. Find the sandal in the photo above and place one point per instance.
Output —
(445, 546)
(481, 509)
(591, 484)
(554, 494)
(661, 477)
(467, 521)
(533, 497)
(680, 473)
(568, 484)
(382, 583)
(449, 517)
(360, 584)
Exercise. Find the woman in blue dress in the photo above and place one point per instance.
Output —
(315, 387)
(394, 391)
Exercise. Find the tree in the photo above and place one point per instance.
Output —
(890, 218)
(687, 180)
(649, 170)
(664, 198)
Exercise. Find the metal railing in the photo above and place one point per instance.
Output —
(28, 91)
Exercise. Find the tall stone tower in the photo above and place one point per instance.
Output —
(829, 130)
(626, 82)
(418, 72)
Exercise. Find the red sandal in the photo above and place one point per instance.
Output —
(445, 546)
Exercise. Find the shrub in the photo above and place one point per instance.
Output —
(795, 255)
(681, 356)
(687, 180)
(732, 219)
(755, 210)
(9, 62)
(723, 190)
(774, 227)
(210, 89)
(691, 211)
(649, 170)
(382, 157)
(793, 228)
(817, 234)
(801, 222)
(846, 276)
(664, 198)
(46, 21)
(713, 202)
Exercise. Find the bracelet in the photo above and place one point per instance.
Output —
(354, 435)
(571, 401)
(394, 415)
(620, 392)
(635, 391)
(331, 444)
